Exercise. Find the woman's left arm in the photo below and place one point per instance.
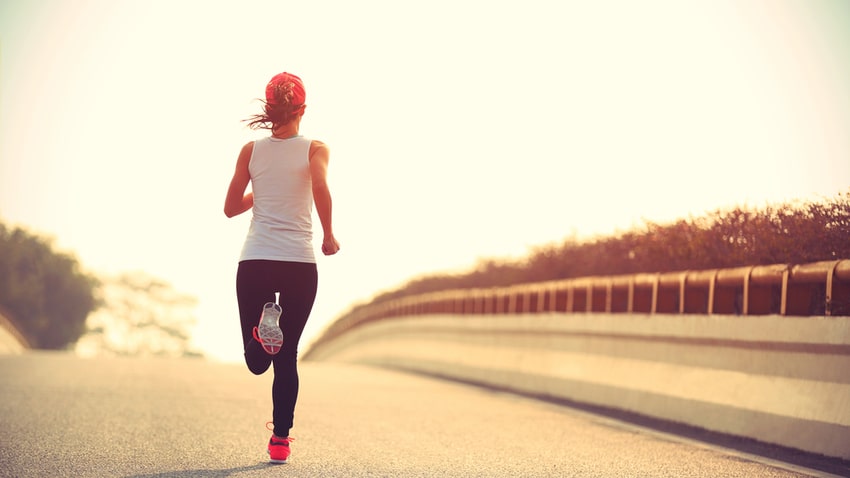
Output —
(319, 157)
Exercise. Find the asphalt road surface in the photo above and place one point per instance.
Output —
(63, 416)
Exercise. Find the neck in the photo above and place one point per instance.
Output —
(284, 134)
(287, 130)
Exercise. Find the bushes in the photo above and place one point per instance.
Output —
(45, 293)
(788, 233)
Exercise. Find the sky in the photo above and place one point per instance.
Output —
(459, 130)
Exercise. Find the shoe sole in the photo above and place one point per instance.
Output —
(275, 461)
(271, 337)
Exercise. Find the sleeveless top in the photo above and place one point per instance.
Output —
(282, 222)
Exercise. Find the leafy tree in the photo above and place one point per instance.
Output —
(44, 291)
(141, 315)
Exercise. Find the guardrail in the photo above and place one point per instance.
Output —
(815, 289)
(758, 352)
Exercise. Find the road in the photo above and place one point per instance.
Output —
(63, 416)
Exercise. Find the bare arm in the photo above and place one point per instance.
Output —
(319, 157)
(237, 201)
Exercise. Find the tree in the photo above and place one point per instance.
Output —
(45, 291)
(140, 316)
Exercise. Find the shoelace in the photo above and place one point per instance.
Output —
(270, 427)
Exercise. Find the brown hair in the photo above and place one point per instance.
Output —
(278, 112)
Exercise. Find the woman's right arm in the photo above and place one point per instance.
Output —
(237, 201)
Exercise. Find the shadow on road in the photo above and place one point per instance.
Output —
(205, 473)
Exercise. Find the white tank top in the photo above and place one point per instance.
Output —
(282, 222)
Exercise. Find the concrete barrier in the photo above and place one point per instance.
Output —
(761, 352)
(777, 379)
(11, 341)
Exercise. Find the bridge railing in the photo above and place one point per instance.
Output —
(747, 351)
(814, 289)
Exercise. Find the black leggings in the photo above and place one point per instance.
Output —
(257, 281)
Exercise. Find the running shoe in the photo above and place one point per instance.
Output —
(279, 449)
(267, 332)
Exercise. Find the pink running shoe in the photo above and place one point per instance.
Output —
(279, 449)
(267, 332)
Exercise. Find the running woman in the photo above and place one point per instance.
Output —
(288, 175)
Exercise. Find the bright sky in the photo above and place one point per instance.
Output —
(459, 130)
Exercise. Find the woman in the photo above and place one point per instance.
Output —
(288, 174)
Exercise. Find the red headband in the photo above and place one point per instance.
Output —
(289, 84)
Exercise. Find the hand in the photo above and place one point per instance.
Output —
(330, 246)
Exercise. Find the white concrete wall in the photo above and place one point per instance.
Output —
(11, 341)
(780, 380)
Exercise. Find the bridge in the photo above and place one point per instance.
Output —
(608, 377)
(65, 416)
(759, 352)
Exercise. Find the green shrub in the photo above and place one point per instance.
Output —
(44, 291)
(792, 233)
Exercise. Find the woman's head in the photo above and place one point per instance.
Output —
(285, 88)
(285, 97)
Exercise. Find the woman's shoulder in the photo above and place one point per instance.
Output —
(316, 145)
(246, 151)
